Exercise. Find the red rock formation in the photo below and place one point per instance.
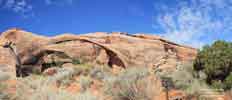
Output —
(116, 49)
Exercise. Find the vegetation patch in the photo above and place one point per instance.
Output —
(216, 62)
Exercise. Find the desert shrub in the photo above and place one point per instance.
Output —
(29, 85)
(78, 70)
(63, 73)
(42, 88)
(3, 95)
(100, 72)
(3, 86)
(4, 76)
(132, 84)
(179, 79)
(37, 84)
(6, 95)
(97, 73)
(86, 96)
(85, 82)
(133, 74)
(216, 62)
(49, 94)
(83, 69)
(64, 76)
(183, 78)
(76, 61)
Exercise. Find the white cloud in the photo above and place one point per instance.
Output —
(22, 7)
(196, 22)
(58, 2)
(25, 7)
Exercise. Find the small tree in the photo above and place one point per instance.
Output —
(215, 61)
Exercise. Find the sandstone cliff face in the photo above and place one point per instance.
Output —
(113, 49)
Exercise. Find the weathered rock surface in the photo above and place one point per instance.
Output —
(114, 49)
(7, 65)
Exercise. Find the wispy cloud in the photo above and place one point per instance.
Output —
(25, 8)
(195, 22)
(22, 7)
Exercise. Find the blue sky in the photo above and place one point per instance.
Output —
(189, 22)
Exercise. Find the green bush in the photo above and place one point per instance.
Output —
(216, 62)
(228, 82)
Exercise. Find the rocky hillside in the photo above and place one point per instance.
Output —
(104, 66)
(115, 49)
